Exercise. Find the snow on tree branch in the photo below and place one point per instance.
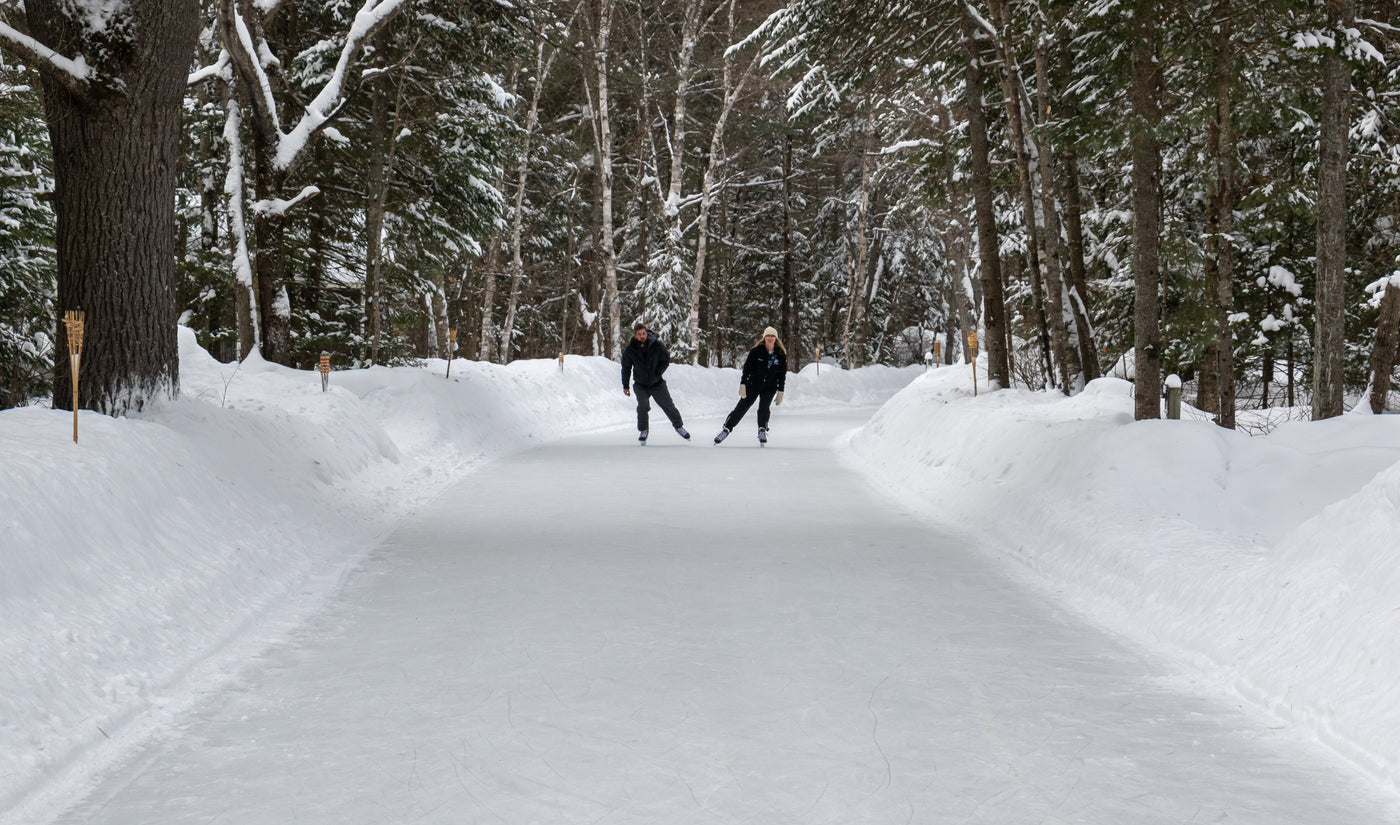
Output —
(280, 206)
(368, 20)
(75, 73)
(218, 69)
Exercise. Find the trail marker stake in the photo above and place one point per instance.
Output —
(325, 371)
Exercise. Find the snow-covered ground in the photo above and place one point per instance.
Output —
(144, 565)
(1265, 566)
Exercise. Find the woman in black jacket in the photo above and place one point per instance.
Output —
(765, 374)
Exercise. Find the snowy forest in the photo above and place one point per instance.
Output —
(1210, 189)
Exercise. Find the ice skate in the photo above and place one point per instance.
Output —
(721, 435)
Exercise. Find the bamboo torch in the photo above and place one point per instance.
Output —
(451, 350)
(73, 320)
(972, 351)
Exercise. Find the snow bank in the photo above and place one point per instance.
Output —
(142, 565)
(1265, 564)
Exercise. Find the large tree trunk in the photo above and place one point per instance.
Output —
(855, 308)
(1147, 164)
(1077, 291)
(244, 281)
(517, 263)
(376, 197)
(1054, 258)
(786, 307)
(1016, 136)
(993, 293)
(115, 147)
(1330, 336)
(270, 260)
(1387, 348)
(1224, 128)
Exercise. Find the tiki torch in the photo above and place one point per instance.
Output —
(73, 320)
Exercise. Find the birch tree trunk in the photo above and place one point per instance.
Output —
(1330, 335)
(671, 199)
(861, 271)
(517, 263)
(732, 89)
(1146, 181)
(604, 165)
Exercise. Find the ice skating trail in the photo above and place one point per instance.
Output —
(590, 632)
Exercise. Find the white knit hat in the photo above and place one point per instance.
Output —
(767, 331)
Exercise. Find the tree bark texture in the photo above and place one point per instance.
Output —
(1016, 136)
(1077, 290)
(993, 293)
(1387, 347)
(376, 197)
(1066, 357)
(604, 161)
(1147, 164)
(115, 147)
(1225, 222)
(1330, 333)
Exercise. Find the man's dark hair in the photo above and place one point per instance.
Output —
(638, 326)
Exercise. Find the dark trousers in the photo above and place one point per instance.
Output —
(663, 400)
(763, 397)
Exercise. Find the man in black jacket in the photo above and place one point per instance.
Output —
(644, 359)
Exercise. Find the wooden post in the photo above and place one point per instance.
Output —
(937, 353)
(972, 352)
(451, 350)
(1174, 396)
(819, 360)
(73, 320)
(561, 362)
(325, 371)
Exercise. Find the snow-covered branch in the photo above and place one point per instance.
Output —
(75, 73)
(368, 20)
(217, 70)
(280, 206)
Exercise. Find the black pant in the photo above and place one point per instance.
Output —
(663, 400)
(751, 394)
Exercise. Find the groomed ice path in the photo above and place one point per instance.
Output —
(595, 632)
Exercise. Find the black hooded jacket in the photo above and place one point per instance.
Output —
(648, 360)
(765, 371)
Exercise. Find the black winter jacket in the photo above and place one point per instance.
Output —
(648, 360)
(765, 371)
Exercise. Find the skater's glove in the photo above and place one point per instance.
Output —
(743, 391)
(626, 392)
(778, 399)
